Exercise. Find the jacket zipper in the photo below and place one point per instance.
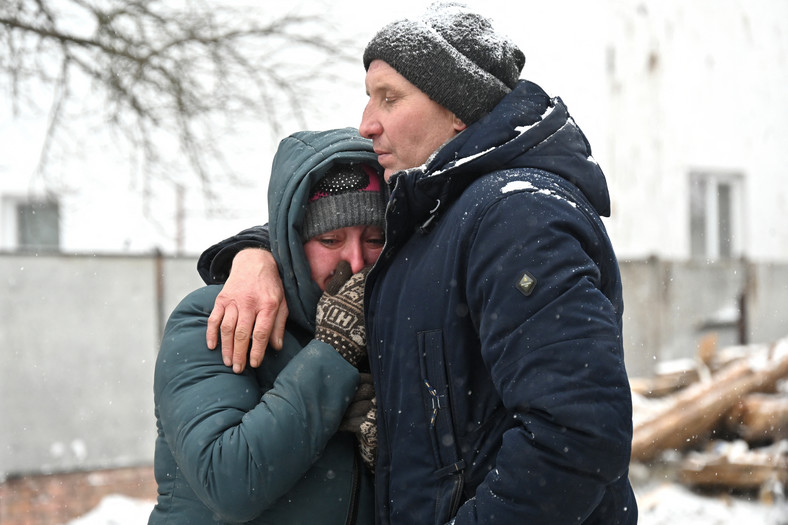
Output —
(456, 497)
(355, 490)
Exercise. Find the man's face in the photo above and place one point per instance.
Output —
(405, 125)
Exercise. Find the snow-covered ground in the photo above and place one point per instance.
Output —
(668, 504)
(117, 510)
(672, 504)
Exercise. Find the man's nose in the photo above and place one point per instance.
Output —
(369, 126)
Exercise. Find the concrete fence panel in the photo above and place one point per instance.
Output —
(80, 335)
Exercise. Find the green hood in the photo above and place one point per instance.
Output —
(301, 160)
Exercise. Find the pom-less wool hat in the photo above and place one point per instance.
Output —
(348, 195)
(453, 55)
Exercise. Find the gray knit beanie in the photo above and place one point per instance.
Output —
(453, 55)
(348, 195)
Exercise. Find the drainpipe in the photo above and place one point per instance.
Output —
(159, 279)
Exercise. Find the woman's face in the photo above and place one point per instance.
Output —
(358, 245)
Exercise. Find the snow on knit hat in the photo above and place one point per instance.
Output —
(348, 195)
(453, 55)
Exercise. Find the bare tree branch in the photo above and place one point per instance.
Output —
(158, 70)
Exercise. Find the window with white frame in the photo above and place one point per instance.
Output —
(715, 215)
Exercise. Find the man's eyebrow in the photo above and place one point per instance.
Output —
(384, 86)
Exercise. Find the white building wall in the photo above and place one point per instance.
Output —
(697, 86)
(660, 87)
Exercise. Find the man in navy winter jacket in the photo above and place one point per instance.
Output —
(494, 313)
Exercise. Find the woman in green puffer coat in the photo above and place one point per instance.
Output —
(262, 446)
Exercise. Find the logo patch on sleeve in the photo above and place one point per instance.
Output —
(526, 284)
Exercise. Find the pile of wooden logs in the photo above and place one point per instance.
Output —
(727, 415)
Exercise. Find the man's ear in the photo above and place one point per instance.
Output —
(458, 124)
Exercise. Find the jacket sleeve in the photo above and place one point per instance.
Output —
(215, 262)
(240, 447)
(555, 357)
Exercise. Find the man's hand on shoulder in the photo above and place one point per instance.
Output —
(251, 304)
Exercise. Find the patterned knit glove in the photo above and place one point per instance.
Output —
(367, 436)
(361, 419)
(356, 412)
(340, 314)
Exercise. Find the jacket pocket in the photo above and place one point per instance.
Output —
(436, 395)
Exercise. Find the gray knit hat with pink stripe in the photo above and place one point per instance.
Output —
(348, 195)
(454, 56)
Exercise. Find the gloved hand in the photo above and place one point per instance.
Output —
(361, 419)
(340, 314)
(362, 402)
(367, 436)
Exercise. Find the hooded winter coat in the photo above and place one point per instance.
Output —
(494, 320)
(262, 446)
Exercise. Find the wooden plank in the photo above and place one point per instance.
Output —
(734, 466)
(693, 412)
(759, 417)
(663, 384)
